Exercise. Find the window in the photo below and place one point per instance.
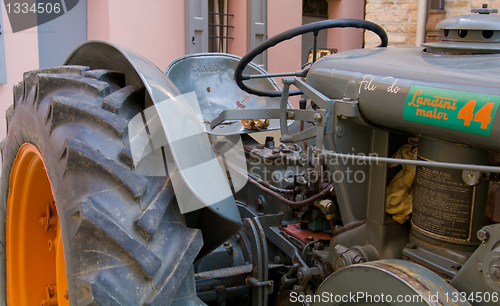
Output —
(218, 25)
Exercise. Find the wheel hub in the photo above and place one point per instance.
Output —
(36, 273)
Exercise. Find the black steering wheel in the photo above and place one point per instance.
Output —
(314, 27)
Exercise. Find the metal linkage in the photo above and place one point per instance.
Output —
(387, 160)
(261, 286)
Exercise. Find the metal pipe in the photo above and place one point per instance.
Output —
(387, 160)
(231, 292)
(315, 46)
(286, 201)
(267, 185)
(421, 21)
(348, 227)
(271, 75)
(328, 189)
(259, 180)
(436, 5)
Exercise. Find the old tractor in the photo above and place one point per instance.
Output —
(126, 185)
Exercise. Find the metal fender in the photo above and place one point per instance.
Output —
(168, 136)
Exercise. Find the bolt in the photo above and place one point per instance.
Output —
(317, 117)
(318, 246)
(301, 276)
(340, 131)
(43, 221)
(495, 272)
(65, 295)
(45, 303)
(227, 245)
(260, 146)
(277, 259)
(483, 235)
(276, 151)
(52, 244)
(258, 202)
(411, 246)
(296, 288)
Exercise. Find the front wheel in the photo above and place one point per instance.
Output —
(78, 224)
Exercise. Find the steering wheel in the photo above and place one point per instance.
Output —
(314, 27)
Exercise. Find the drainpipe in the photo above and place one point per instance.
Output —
(436, 15)
(421, 21)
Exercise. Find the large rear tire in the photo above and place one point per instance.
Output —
(125, 242)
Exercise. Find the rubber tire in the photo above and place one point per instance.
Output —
(125, 242)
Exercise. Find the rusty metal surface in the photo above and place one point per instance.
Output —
(305, 234)
(492, 212)
(392, 278)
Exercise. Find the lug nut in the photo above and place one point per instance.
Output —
(43, 221)
(483, 235)
(52, 244)
(495, 272)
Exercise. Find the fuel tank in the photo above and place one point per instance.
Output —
(448, 90)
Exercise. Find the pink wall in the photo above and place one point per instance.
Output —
(345, 39)
(21, 54)
(238, 45)
(283, 15)
(154, 28)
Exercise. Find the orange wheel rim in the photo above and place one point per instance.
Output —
(36, 273)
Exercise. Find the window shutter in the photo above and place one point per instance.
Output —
(3, 69)
(257, 28)
(196, 26)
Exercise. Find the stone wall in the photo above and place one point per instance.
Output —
(399, 18)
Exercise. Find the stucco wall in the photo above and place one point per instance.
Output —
(153, 28)
(21, 54)
(345, 39)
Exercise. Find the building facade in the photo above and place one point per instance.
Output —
(163, 30)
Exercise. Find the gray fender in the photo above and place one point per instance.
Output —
(218, 221)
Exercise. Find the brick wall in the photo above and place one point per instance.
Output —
(460, 7)
(399, 18)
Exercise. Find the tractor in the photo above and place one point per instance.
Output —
(123, 184)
